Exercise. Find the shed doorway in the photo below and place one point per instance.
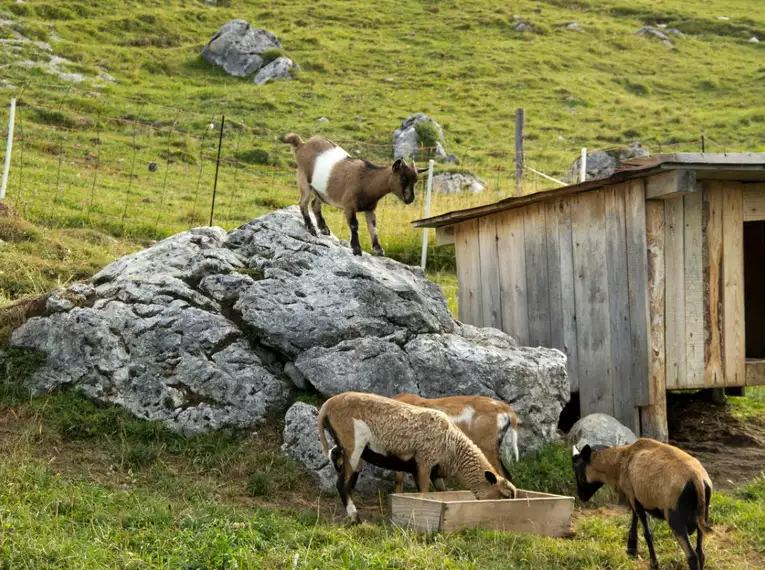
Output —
(754, 289)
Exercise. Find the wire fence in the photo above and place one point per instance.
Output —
(133, 168)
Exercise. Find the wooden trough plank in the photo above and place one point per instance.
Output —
(511, 252)
(490, 297)
(545, 517)
(593, 329)
(618, 297)
(713, 286)
(637, 267)
(654, 416)
(424, 515)
(555, 299)
(568, 300)
(694, 291)
(537, 281)
(754, 202)
(674, 275)
(734, 345)
(469, 272)
(670, 184)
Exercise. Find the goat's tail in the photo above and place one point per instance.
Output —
(321, 421)
(293, 139)
(702, 517)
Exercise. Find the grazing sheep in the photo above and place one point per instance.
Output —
(484, 420)
(393, 434)
(657, 479)
(351, 184)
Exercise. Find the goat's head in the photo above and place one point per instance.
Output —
(585, 486)
(495, 487)
(403, 180)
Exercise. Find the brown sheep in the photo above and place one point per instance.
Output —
(657, 479)
(385, 432)
(351, 184)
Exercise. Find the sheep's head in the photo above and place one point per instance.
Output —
(495, 487)
(581, 460)
(403, 180)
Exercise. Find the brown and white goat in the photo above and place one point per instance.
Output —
(388, 434)
(491, 424)
(327, 172)
(657, 479)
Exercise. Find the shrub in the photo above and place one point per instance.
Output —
(427, 133)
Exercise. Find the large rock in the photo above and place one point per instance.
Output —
(600, 429)
(455, 182)
(280, 68)
(603, 163)
(207, 329)
(406, 142)
(238, 46)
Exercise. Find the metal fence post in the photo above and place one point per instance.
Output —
(8, 148)
(424, 258)
(583, 166)
(519, 124)
(217, 166)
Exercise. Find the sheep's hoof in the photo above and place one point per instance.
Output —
(325, 231)
(356, 251)
(380, 252)
(355, 519)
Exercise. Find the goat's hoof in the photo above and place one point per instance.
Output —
(632, 552)
(356, 251)
(379, 252)
(325, 231)
(311, 230)
(355, 519)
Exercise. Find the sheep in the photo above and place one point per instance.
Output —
(397, 435)
(351, 184)
(484, 420)
(657, 479)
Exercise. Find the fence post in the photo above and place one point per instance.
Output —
(8, 148)
(519, 120)
(217, 166)
(703, 144)
(424, 258)
(583, 166)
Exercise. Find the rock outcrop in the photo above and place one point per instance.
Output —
(603, 163)
(600, 429)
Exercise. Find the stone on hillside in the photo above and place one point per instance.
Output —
(652, 32)
(237, 47)
(574, 26)
(754, 40)
(599, 429)
(455, 182)
(280, 68)
(207, 329)
(406, 141)
(523, 27)
(603, 163)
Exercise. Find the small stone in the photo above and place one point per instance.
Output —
(280, 68)
(322, 120)
(754, 40)
(574, 26)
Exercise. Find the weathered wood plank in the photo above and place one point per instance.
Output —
(568, 299)
(755, 372)
(713, 286)
(694, 290)
(754, 202)
(734, 346)
(619, 306)
(674, 276)
(490, 297)
(554, 283)
(469, 272)
(445, 235)
(637, 264)
(593, 329)
(511, 252)
(670, 184)
(654, 416)
(537, 282)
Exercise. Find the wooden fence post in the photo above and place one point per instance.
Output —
(519, 120)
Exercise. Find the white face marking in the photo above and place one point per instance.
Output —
(322, 168)
(465, 416)
(363, 437)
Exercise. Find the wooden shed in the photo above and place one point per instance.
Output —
(650, 280)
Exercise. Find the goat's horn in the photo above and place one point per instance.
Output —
(421, 170)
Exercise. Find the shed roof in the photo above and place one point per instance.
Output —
(708, 166)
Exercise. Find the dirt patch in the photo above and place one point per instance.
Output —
(732, 450)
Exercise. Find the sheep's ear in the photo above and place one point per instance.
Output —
(491, 477)
(586, 452)
(397, 165)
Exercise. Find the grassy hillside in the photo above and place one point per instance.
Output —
(82, 149)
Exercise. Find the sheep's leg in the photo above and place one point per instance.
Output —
(647, 534)
(399, 487)
(700, 548)
(346, 482)
(353, 223)
(316, 207)
(372, 227)
(438, 483)
(305, 197)
(632, 537)
(423, 478)
(678, 522)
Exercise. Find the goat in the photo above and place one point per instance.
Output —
(395, 434)
(657, 479)
(484, 420)
(351, 184)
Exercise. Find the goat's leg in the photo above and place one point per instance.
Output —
(305, 197)
(346, 482)
(678, 522)
(353, 223)
(700, 548)
(316, 207)
(647, 534)
(632, 537)
(372, 227)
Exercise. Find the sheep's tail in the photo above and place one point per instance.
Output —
(293, 139)
(705, 497)
(321, 421)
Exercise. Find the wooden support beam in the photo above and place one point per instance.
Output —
(445, 235)
(670, 184)
(754, 202)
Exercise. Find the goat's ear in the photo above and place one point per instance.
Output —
(421, 170)
(586, 453)
(491, 477)
(397, 165)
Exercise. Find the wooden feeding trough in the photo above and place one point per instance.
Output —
(535, 513)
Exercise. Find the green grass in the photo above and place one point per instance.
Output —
(751, 406)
